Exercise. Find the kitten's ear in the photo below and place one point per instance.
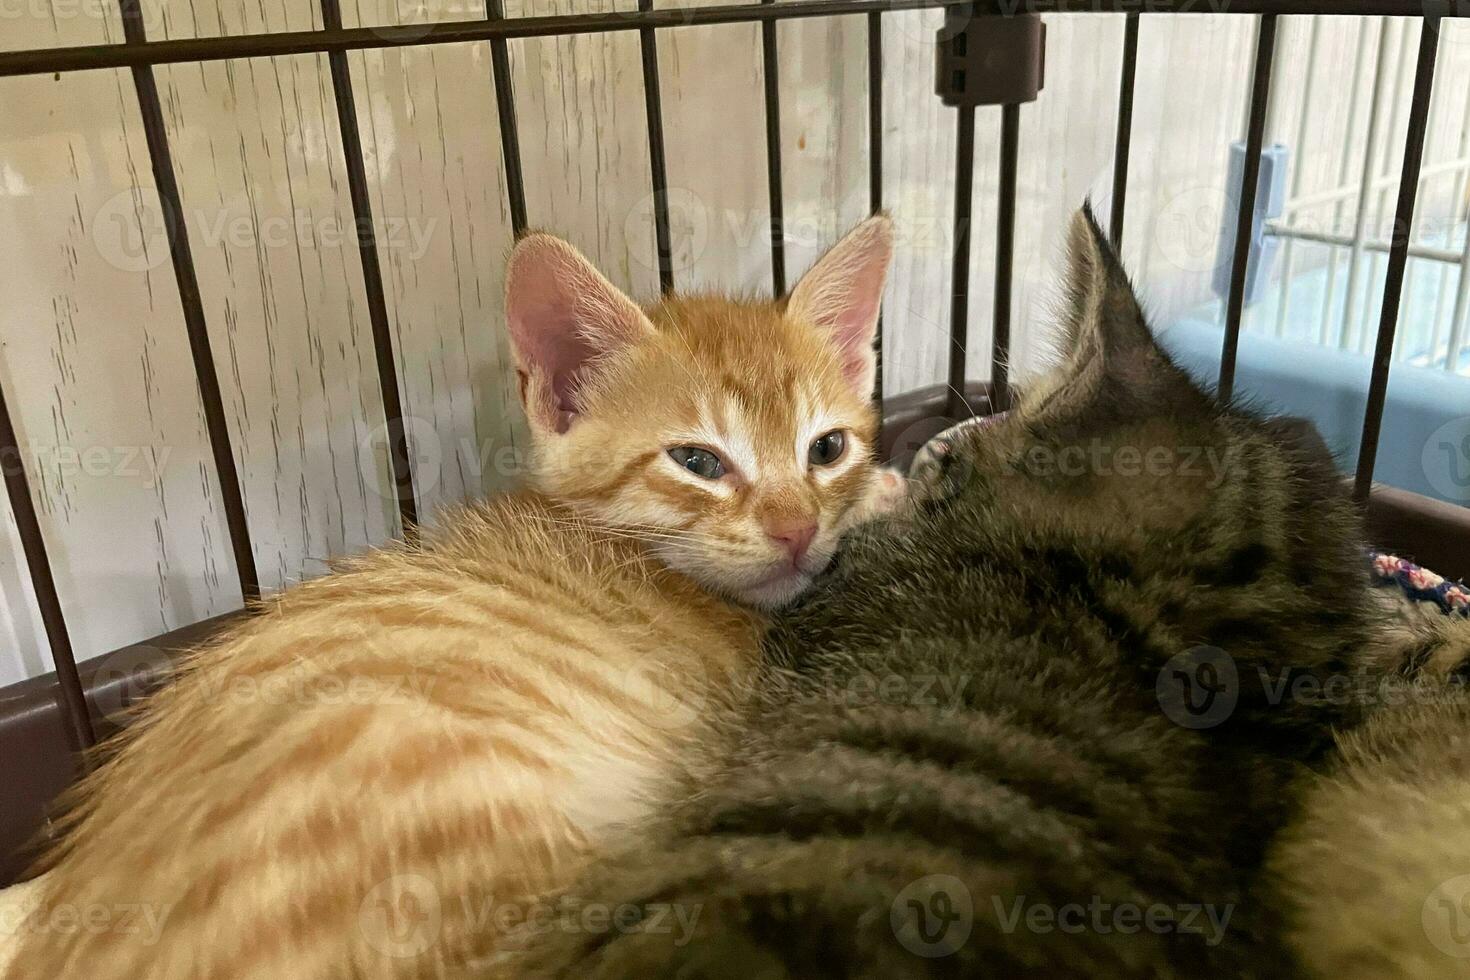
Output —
(562, 314)
(843, 291)
(1107, 336)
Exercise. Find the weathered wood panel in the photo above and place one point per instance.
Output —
(94, 355)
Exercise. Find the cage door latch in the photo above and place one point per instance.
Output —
(989, 59)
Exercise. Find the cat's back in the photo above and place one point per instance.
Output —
(386, 731)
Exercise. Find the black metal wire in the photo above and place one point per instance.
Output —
(1245, 217)
(1005, 239)
(48, 601)
(81, 57)
(875, 169)
(510, 134)
(959, 301)
(197, 329)
(399, 458)
(1398, 256)
(654, 111)
(771, 70)
(1125, 129)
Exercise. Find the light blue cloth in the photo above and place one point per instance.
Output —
(1425, 441)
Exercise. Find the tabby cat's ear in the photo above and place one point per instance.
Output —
(1107, 339)
(843, 291)
(562, 314)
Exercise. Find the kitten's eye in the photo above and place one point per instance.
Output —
(700, 462)
(827, 449)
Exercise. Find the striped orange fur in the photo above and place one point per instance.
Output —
(372, 775)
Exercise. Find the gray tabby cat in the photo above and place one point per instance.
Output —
(1041, 725)
(1375, 871)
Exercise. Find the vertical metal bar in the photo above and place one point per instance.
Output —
(771, 70)
(399, 457)
(1125, 128)
(510, 134)
(959, 299)
(1005, 239)
(1398, 254)
(73, 701)
(1245, 218)
(654, 111)
(1365, 190)
(175, 227)
(875, 168)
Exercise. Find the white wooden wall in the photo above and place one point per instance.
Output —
(93, 356)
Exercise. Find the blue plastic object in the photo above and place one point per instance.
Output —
(1270, 202)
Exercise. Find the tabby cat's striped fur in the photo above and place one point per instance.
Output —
(987, 691)
(1375, 872)
(358, 779)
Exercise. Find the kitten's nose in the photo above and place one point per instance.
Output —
(795, 535)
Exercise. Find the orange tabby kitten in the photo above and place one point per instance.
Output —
(322, 792)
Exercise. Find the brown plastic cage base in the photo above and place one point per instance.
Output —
(39, 751)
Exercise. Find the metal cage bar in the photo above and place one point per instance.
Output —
(653, 107)
(959, 297)
(1005, 242)
(399, 458)
(510, 133)
(48, 60)
(1121, 146)
(43, 583)
(1398, 254)
(875, 170)
(770, 72)
(1246, 203)
(196, 327)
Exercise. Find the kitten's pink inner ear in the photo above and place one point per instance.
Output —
(843, 292)
(562, 314)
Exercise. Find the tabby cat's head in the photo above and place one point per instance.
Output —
(1120, 445)
(734, 437)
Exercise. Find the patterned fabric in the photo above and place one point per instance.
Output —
(1420, 584)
